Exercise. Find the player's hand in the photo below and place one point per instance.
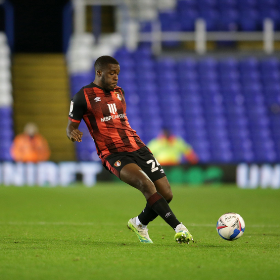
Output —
(76, 135)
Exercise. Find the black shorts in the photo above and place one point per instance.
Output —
(142, 157)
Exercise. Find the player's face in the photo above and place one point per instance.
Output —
(109, 77)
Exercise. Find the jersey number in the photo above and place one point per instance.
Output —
(154, 163)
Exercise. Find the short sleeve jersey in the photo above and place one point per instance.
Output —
(105, 116)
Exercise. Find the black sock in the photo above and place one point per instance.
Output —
(160, 206)
(147, 215)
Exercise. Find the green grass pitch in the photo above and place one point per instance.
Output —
(80, 233)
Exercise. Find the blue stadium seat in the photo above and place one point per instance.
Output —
(211, 17)
(145, 64)
(249, 64)
(269, 64)
(195, 132)
(241, 143)
(142, 53)
(230, 88)
(270, 78)
(226, 4)
(221, 156)
(206, 4)
(246, 4)
(187, 18)
(228, 78)
(263, 156)
(249, 20)
(228, 64)
(166, 76)
(186, 77)
(206, 65)
(228, 20)
(185, 4)
(243, 156)
(122, 54)
(165, 64)
(187, 64)
(5, 154)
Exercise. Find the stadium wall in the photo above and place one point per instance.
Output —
(67, 174)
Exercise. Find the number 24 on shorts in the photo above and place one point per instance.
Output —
(153, 163)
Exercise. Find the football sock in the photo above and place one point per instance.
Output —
(147, 215)
(138, 223)
(161, 207)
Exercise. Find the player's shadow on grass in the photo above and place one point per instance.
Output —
(217, 246)
(10, 243)
(38, 244)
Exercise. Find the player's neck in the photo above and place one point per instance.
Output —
(99, 84)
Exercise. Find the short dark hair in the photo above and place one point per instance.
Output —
(102, 62)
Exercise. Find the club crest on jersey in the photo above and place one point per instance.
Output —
(97, 99)
(118, 95)
(118, 163)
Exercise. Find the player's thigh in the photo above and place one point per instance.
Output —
(163, 187)
(133, 175)
(154, 170)
(149, 164)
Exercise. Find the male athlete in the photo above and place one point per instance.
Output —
(102, 106)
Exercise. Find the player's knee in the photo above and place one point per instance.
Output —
(145, 186)
(168, 196)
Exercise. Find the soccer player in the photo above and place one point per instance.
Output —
(102, 106)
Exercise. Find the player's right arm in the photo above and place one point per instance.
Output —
(78, 108)
(73, 133)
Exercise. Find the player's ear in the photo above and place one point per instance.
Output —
(98, 72)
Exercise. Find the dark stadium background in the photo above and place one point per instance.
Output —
(38, 25)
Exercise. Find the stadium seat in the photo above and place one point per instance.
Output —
(228, 19)
(249, 20)
(187, 18)
(185, 4)
(206, 4)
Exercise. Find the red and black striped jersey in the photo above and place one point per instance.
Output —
(105, 116)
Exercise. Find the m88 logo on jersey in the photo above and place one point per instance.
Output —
(112, 108)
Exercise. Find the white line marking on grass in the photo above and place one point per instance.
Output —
(108, 224)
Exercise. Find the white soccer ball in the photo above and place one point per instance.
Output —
(230, 226)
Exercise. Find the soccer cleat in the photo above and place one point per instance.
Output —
(141, 232)
(182, 234)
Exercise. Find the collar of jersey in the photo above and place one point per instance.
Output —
(106, 92)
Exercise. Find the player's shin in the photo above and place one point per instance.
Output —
(160, 206)
(147, 215)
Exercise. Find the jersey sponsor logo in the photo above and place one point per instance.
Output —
(118, 163)
(106, 119)
(97, 99)
(112, 108)
(71, 109)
